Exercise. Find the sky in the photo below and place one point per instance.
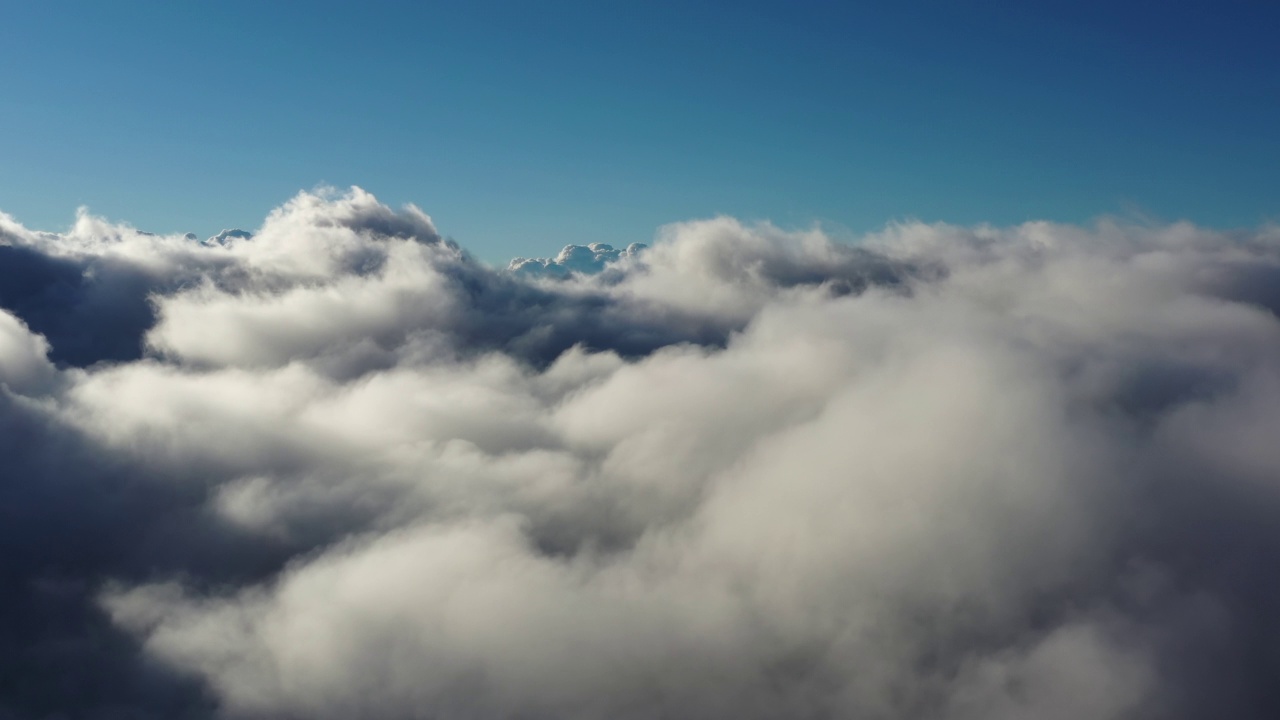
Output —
(522, 127)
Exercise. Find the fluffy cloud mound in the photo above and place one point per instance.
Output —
(226, 237)
(591, 258)
(341, 469)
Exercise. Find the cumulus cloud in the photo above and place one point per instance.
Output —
(337, 467)
(591, 258)
(226, 237)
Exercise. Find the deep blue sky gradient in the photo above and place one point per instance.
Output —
(523, 126)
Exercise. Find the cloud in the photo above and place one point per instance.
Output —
(347, 470)
(591, 258)
(226, 237)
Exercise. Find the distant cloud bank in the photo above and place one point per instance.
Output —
(576, 258)
(338, 468)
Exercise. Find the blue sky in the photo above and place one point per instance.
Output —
(523, 126)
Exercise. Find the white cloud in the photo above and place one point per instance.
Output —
(24, 366)
(591, 258)
(944, 473)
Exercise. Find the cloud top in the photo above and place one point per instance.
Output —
(336, 467)
(591, 258)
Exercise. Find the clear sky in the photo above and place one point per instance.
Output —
(523, 126)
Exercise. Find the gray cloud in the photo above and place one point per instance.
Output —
(347, 470)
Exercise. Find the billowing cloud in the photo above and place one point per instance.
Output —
(591, 258)
(338, 468)
(225, 237)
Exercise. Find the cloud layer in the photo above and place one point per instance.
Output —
(338, 468)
